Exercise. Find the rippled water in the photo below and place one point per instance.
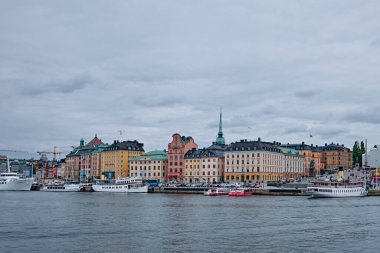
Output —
(106, 222)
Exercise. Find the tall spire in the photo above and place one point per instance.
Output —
(220, 139)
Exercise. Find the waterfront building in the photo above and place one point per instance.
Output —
(312, 154)
(73, 163)
(150, 166)
(177, 149)
(115, 158)
(204, 166)
(252, 161)
(192, 166)
(294, 163)
(90, 162)
(336, 156)
(373, 157)
(83, 163)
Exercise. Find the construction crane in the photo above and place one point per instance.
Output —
(55, 153)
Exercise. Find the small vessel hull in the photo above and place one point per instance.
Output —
(327, 192)
(61, 188)
(216, 192)
(16, 185)
(240, 193)
(120, 188)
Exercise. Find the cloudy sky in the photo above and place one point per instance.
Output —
(281, 70)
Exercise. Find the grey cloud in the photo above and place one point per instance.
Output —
(306, 94)
(60, 86)
(274, 67)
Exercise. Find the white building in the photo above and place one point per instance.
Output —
(373, 157)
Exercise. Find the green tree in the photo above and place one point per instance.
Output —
(355, 153)
(362, 152)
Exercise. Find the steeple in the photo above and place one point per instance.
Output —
(220, 139)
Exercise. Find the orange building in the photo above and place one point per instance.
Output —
(176, 156)
(335, 156)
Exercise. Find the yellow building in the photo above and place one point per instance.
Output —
(115, 158)
(192, 166)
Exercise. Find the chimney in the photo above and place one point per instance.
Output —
(303, 143)
(259, 139)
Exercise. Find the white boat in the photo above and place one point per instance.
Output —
(12, 182)
(125, 185)
(216, 192)
(61, 187)
(339, 187)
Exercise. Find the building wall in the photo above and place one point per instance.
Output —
(373, 158)
(117, 161)
(337, 158)
(96, 165)
(192, 170)
(316, 157)
(149, 169)
(176, 157)
(72, 169)
(212, 169)
(256, 166)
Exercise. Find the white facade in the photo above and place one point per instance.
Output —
(373, 157)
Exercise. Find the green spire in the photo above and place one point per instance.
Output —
(81, 143)
(220, 139)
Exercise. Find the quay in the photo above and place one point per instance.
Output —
(261, 191)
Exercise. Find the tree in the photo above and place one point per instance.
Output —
(362, 152)
(355, 153)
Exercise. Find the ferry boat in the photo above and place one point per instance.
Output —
(124, 185)
(216, 192)
(10, 181)
(345, 184)
(61, 186)
(240, 192)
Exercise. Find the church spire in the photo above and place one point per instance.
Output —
(220, 139)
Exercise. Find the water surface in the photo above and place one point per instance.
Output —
(110, 222)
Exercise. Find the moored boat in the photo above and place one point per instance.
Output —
(60, 186)
(125, 185)
(344, 184)
(240, 192)
(216, 192)
(10, 181)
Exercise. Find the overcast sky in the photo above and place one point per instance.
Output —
(281, 70)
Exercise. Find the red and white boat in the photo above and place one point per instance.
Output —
(216, 192)
(240, 192)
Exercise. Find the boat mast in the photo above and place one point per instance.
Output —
(8, 165)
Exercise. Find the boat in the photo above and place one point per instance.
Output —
(124, 185)
(61, 186)
(350, 183)
(216, 192)
(10, 181)
(240, 192)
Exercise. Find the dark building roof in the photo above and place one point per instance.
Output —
(245, 145)
(203, 153)
(330, 147)
(301, 146)
(334, 147)
(126, 145)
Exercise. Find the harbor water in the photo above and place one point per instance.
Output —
(110, 222)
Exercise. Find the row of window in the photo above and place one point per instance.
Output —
(196, 173)
(146, 168)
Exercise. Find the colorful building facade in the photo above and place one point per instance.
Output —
(204, 166)
(335, 156)
(115, 158)
(254, 161)
(313, 156)
(177, 149)
(150, 166)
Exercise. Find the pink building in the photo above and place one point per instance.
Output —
(177, 149)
